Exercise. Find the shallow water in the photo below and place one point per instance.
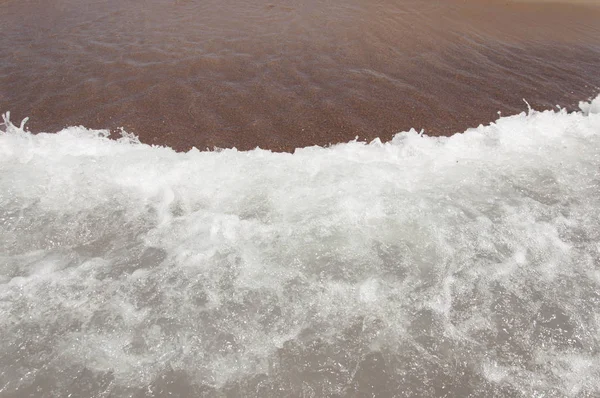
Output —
(422, 267)
(460, 266)
(288, 74)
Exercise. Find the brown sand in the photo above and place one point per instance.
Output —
(289, 74)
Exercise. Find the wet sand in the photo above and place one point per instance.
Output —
(285, 74)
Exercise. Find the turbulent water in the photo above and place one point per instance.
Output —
(460, 266)
(466, 266)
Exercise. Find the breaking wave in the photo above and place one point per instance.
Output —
(419, 267)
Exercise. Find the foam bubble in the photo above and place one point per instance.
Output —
(455, 265)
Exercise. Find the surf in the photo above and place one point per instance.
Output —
(464, 264)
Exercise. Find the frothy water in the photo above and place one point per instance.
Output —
(458, 266)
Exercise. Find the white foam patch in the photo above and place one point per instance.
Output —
(123, 264)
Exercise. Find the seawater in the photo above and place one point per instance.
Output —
(287, 74)
(455, 266)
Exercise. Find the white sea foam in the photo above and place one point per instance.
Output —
(431, 266)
